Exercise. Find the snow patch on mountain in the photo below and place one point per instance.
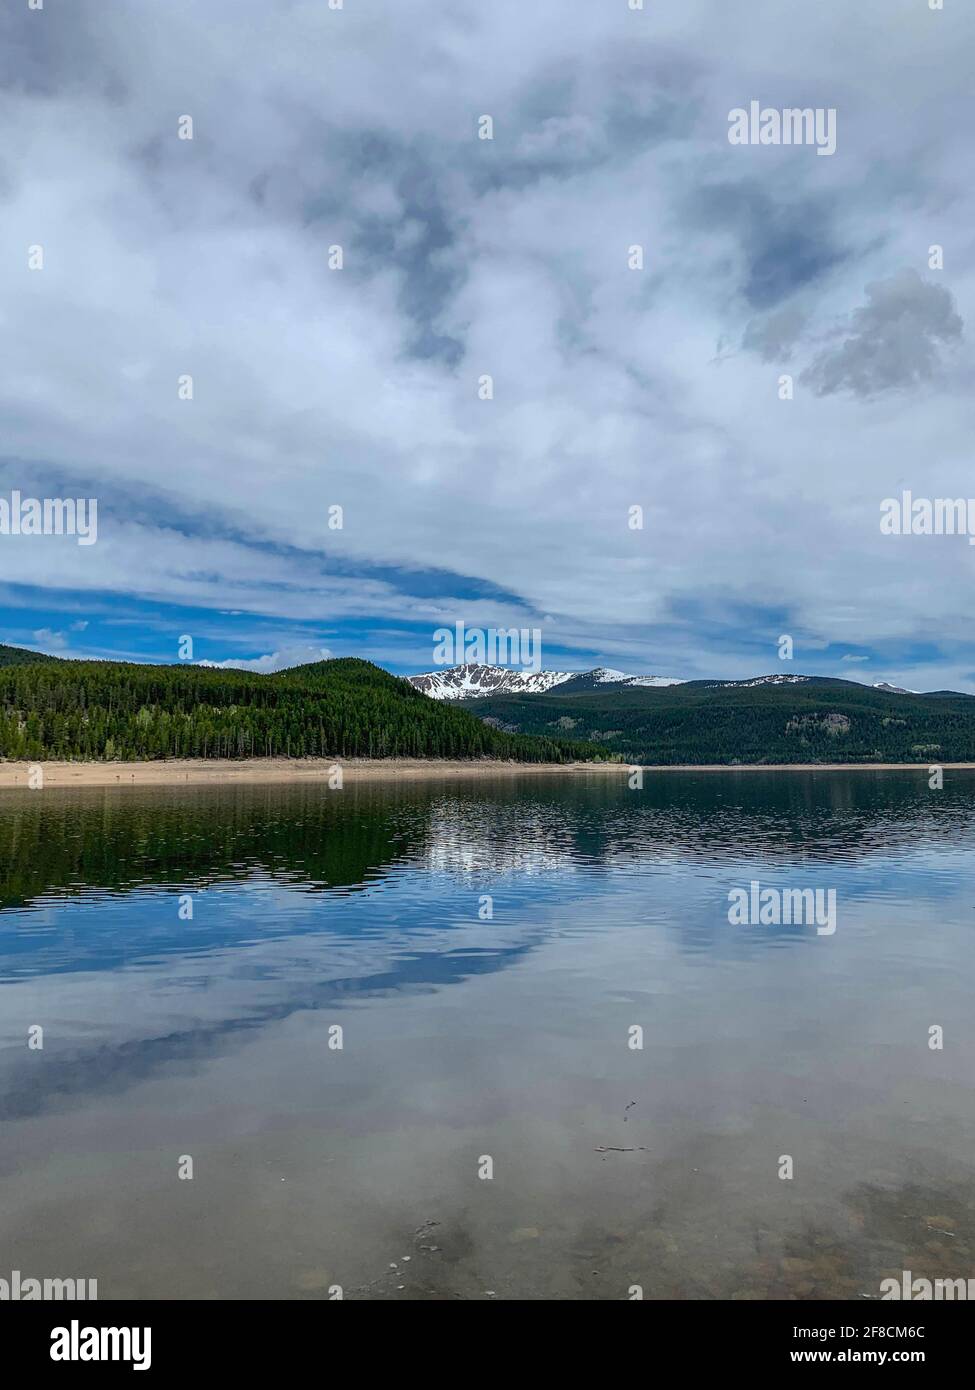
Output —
(605, 675)
(778, 679)
(653, 680)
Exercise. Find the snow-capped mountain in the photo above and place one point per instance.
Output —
(472, 681)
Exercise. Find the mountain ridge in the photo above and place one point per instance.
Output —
(474, 680)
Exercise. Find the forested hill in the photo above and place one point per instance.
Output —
(20, 656)
(102, 710)
(809, 720)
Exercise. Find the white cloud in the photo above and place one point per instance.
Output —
(273, 661)
(313, 127)
(48, 640)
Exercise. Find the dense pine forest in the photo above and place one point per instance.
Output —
(105, 710)
(817, 720)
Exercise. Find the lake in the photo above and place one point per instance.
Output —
(488, 1039)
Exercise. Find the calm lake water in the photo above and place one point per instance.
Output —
(465, 1037)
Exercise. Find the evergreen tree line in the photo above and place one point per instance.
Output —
(345, 708)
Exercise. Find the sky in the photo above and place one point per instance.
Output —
(317, 386)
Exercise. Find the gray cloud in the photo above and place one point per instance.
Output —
(775, 336)
(893, 341)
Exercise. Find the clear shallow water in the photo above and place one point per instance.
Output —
(506, 1037)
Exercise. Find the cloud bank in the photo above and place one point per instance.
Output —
(462, 258)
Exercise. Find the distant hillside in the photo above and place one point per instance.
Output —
(20, 656)
(765, 720)
(346, 708)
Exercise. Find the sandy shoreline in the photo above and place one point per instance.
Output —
(200, 771)
(197, 772)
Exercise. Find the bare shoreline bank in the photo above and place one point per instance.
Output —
(200, 772)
